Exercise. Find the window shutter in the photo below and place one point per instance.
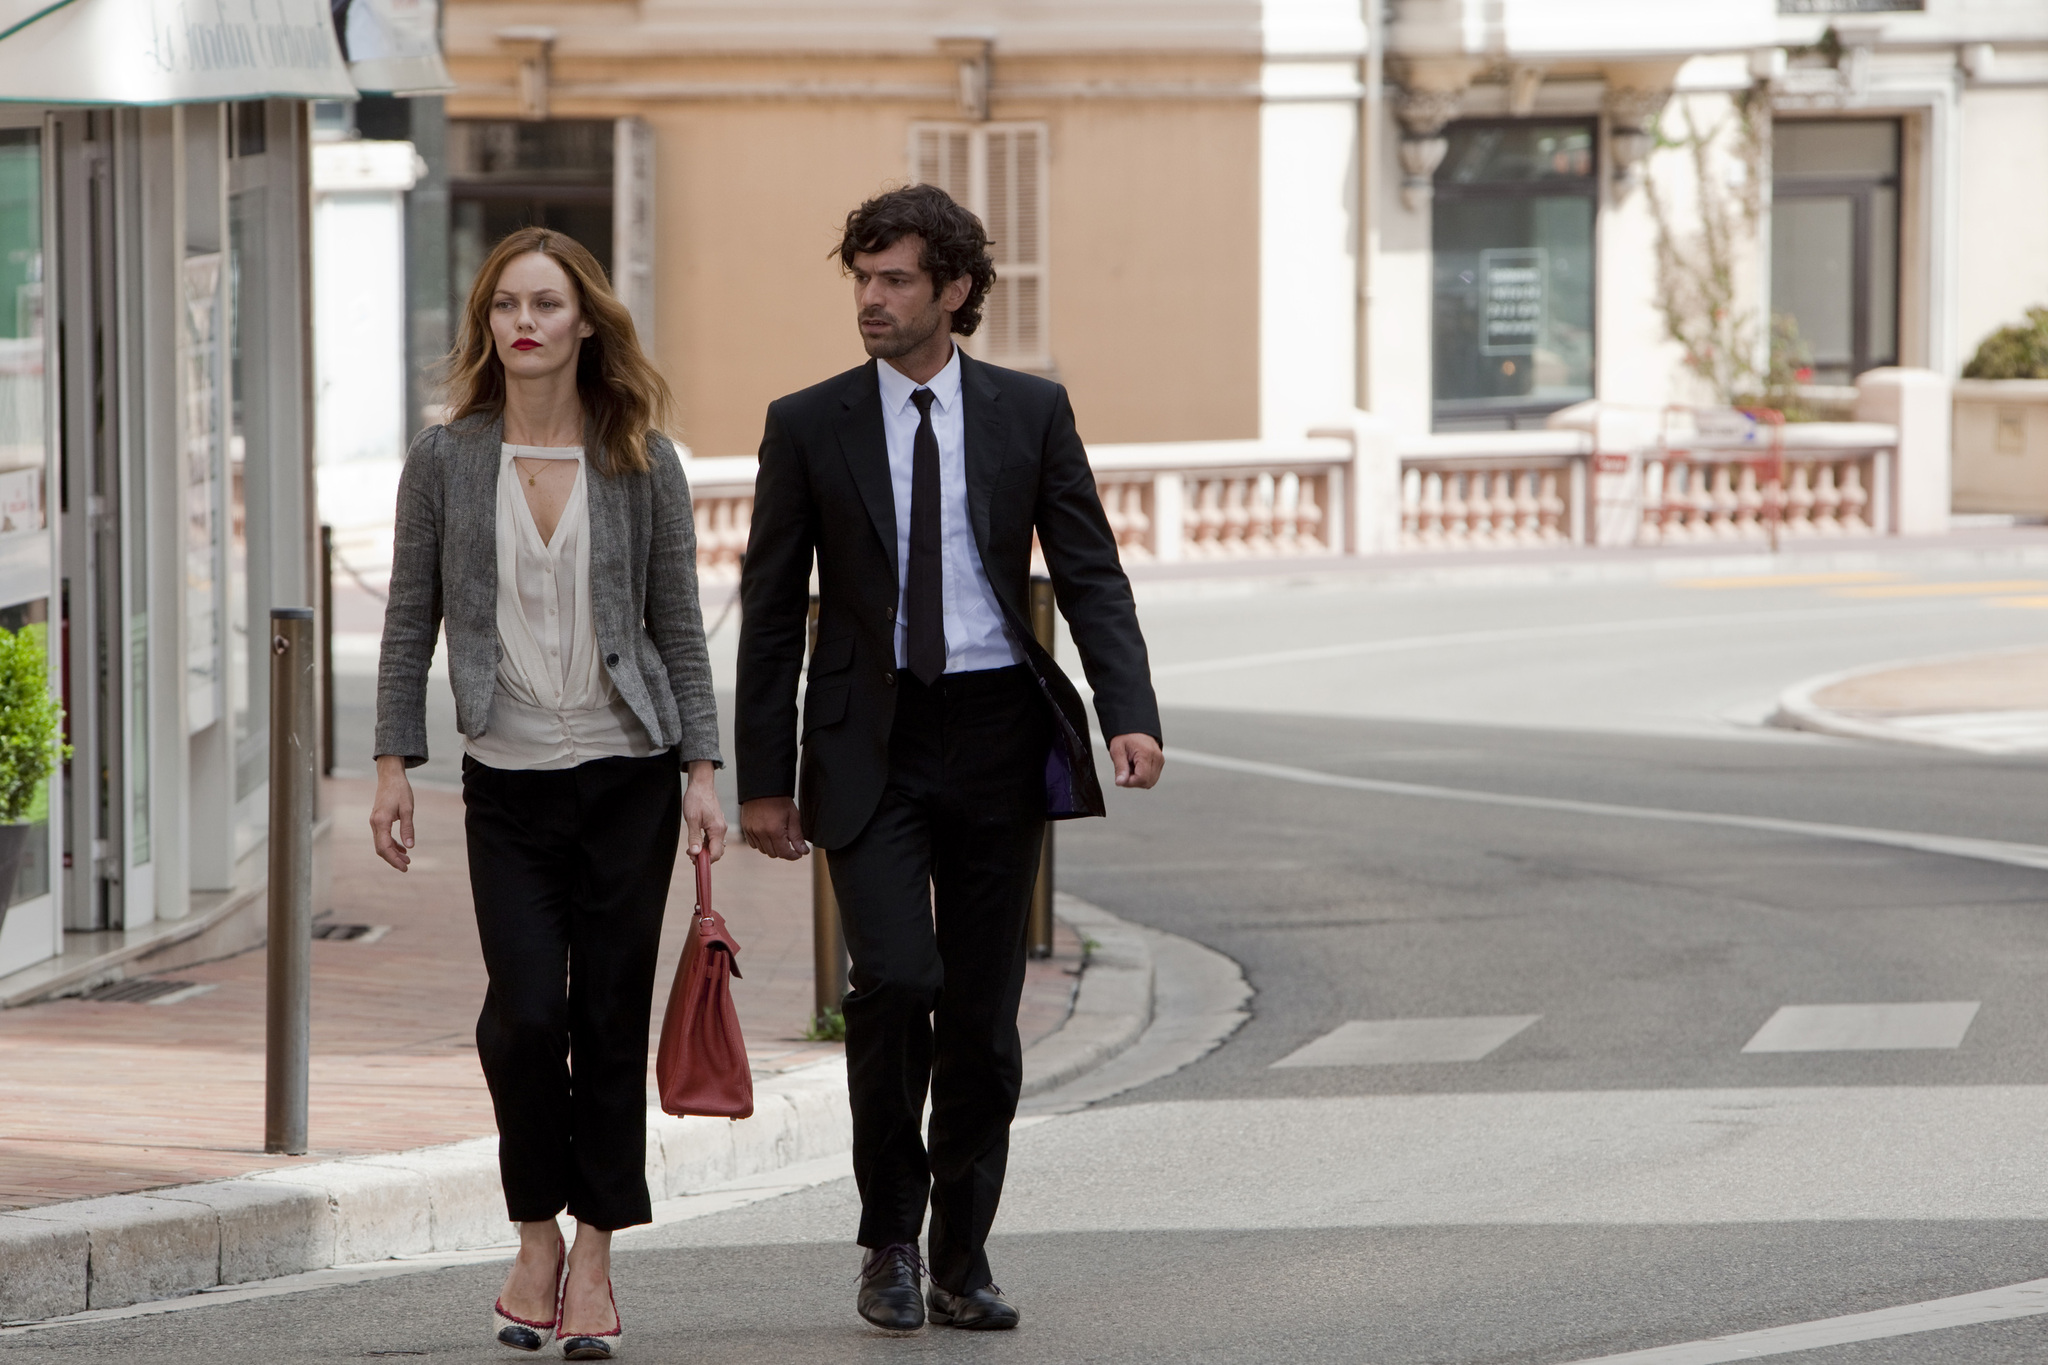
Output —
(633, 224)
(999, 172)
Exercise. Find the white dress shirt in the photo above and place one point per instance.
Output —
(975, 637)
(555, 706)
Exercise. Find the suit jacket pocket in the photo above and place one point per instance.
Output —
(832, 655)
(824, 705)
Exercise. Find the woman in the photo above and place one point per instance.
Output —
(549, 522)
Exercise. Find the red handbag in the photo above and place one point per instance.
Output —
(702, 1065)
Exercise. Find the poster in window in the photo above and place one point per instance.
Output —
(200, 344)
(1514, 294)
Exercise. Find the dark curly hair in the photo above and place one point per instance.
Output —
(955, 243)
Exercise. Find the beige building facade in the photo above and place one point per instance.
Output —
(1230, 220)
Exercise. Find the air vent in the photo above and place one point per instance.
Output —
(351, 933)
(147, 991)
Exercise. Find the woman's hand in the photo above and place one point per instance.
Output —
(393, 803)
(703, 816)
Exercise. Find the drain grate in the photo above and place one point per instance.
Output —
(351, 933)
(146, 991)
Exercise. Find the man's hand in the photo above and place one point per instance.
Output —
(703, 815)
(771, 824)
(1137, 760)
(392, 804)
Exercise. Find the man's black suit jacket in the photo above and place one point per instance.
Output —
(824, 487)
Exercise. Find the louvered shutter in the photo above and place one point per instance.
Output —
(999, 172)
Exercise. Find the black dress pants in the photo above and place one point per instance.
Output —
(933, 895)
(570, 871)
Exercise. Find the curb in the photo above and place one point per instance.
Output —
(1797, 710)
(111, 1252)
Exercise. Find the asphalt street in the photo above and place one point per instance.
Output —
(1543, 1125)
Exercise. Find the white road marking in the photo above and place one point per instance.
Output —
(1513, 634)
(1394, 1042)
(1964, 1310)
(1954, 846)
(1864, 1028)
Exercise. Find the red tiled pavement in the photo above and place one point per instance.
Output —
(109, 1098)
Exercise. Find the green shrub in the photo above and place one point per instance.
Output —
(31, 722)
(2013, 352)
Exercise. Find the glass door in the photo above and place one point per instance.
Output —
(33, 928)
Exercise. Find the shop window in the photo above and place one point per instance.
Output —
(998, 170)
(505, 174)
(22, 449)
(1835, 241)
(1513, 273)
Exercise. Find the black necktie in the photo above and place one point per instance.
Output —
(924, 594)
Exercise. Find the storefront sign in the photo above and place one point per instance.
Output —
(168, 51)
(1514, 286)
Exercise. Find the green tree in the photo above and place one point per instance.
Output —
(31, 722)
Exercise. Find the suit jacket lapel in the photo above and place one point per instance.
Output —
(982, 428)
(866, 447)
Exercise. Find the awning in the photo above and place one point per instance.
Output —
(195, 51)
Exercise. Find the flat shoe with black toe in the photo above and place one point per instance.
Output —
(889, 1295)
(978, 1310)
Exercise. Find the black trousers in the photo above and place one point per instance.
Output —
(933, 895)
(570, 870)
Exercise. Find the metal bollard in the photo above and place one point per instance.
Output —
(828, 941)
(288, 1022)
(1039, 932)
(326, 651)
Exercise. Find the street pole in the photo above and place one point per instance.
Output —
(828, 942)
(1039, 936)
(326, 651)
(288, 1022)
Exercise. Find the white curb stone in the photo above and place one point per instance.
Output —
(141, 1246)
(267, 1229)
(43, 1267)
(1112, 1007)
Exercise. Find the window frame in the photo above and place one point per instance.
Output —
(1464, 414)
(1860, 191)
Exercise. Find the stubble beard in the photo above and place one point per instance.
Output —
(903, 337)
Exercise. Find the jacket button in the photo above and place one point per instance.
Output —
(611, 660)
(889, 679)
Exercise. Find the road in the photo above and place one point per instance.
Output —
(1567, 1145)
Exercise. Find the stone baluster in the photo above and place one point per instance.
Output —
(1827, 500)
(1312, 533)
(1430, 512)
(1650, 527)
(1287, 494)
(1723, 503)
(1749, 502)
(1259, 515)
(1550, 510)
(1208, 519)
(1855, 513)
(1236, 517)
(1527, 529)
(1799, 501)
(1457, 516)
(1411, 509)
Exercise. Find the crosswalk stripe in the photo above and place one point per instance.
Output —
(1398, 1042)
(1865, 1028)
(1935, 1315)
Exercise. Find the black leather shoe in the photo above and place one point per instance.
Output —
(888, 1288)
(978, 1310)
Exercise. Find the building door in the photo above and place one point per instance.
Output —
(33, 925)
(103, 592)
(1512, 245)
(1835, 241)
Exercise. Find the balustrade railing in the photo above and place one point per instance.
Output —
(722, 497)
(1815, 480)
(1496, 491)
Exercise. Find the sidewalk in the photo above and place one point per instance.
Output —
(114, 1097)
(1988, 703)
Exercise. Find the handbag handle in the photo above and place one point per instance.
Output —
(704, 878)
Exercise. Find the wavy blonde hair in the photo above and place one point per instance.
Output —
(623, 395)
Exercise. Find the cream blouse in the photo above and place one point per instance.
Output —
(554, 706)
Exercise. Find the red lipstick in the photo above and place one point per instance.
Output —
(526, 344)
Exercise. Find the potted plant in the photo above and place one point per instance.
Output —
(31, 746)
(2001, 422)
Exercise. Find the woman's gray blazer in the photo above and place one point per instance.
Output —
(643, 592)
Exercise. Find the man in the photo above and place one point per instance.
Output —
(938, 737)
